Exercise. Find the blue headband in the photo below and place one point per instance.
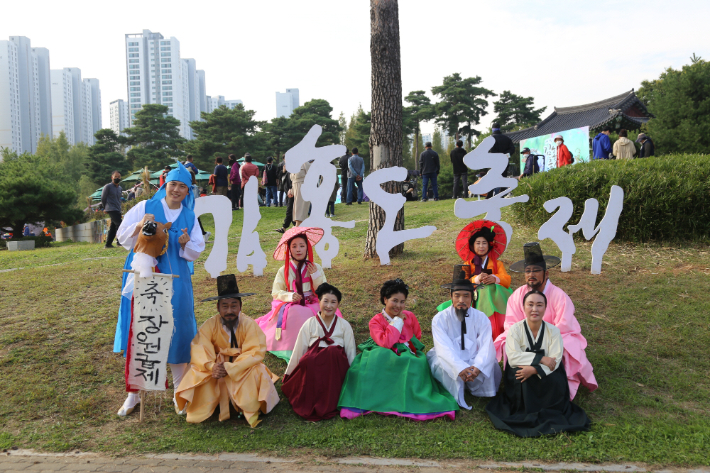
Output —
(180, 173)
(495, 129)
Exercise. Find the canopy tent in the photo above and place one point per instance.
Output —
(137, 176)
(258, 164)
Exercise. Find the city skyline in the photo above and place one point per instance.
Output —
(554, 36)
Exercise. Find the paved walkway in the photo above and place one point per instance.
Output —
(29, 461)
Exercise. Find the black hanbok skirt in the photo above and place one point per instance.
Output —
(539, 406)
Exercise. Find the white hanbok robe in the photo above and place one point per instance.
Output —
(517, 342)
(311, 331)
(447, 359)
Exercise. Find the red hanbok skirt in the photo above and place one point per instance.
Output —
(313, 389)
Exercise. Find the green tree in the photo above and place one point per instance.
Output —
(361, 135)
(69, 158)
(343, 127)
(35, 189)
(462, 102)
(223, 132)
(419, 110)
(317, 111)
(515, 112)
(104, 157)
(154, 137)
(278, 136)
(680, 101)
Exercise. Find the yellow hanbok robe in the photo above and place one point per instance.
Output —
(249, 385)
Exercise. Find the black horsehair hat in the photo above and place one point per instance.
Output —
(227, 288)
(534, 257)
(459, 282)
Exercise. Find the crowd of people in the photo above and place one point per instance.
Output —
(532, 330)
(602, 148)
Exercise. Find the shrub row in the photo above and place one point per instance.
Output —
(666, 198)
(40, 241)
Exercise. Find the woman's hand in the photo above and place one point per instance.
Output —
(311, 269)
(290, 193)
(487, 279)
(296, 297)
(549, 362)
(524, 372)
(184, 238)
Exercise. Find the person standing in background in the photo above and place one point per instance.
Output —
(647, 147)
(236, 182)
(624, 148)
(343, 163)
(246, 171)
(164, 174)
(601, 144)
(429, 164)
(460, 169)
(280, 171)
(221, 174)
(356, 173)
(111, 202)
(190, 165)
(564, 157)
(270, 182)
(287, 187)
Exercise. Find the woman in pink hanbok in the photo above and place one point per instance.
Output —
(293, 291)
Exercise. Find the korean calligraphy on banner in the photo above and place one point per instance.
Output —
(151, 332)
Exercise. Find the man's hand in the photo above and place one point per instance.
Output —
(146, 218)
(290, 194)
(218, 370)
(549, 362)
(524, 372)
(184, 238)
(296, 297)
(469, 374)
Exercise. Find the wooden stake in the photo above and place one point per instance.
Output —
(142, 404)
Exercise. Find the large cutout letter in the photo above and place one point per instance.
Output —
(250, 252)
(387, 238)
(480, 158)
(554, 229)
(221, 209)
(317, 188)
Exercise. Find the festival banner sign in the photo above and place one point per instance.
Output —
(151, 332)
(576, 139)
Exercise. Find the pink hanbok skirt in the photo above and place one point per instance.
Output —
(289, 317)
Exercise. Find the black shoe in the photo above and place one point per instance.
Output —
(359, 203)
(436, 200)
(106, 247)
(423, 200)
(280, 230)
(349, 203)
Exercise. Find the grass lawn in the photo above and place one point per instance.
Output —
(645, 318)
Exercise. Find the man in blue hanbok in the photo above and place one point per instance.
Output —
(172, 203)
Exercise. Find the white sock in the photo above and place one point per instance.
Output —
(178, 371)
(132, 400)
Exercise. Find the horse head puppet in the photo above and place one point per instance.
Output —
(152, 242)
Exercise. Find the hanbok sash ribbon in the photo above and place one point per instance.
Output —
(536, 348)
(327, 333)
(301, 278)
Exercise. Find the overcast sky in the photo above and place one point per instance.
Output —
(562, 53)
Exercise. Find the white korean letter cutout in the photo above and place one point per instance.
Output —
(250, 252)
(480, 158)
(318, 195)
(221, 209)
(387, 238)
(606, 231)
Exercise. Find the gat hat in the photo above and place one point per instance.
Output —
(227, 288)
(459, 281)
(642, 136)
(525, 150)
(491, 231)
(534, 256)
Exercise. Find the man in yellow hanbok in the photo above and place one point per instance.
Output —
(226, 363)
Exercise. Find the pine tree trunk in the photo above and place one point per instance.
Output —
(386, 127)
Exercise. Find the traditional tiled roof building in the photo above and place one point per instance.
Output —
(621, 111)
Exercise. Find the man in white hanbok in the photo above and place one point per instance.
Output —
(463, 353)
